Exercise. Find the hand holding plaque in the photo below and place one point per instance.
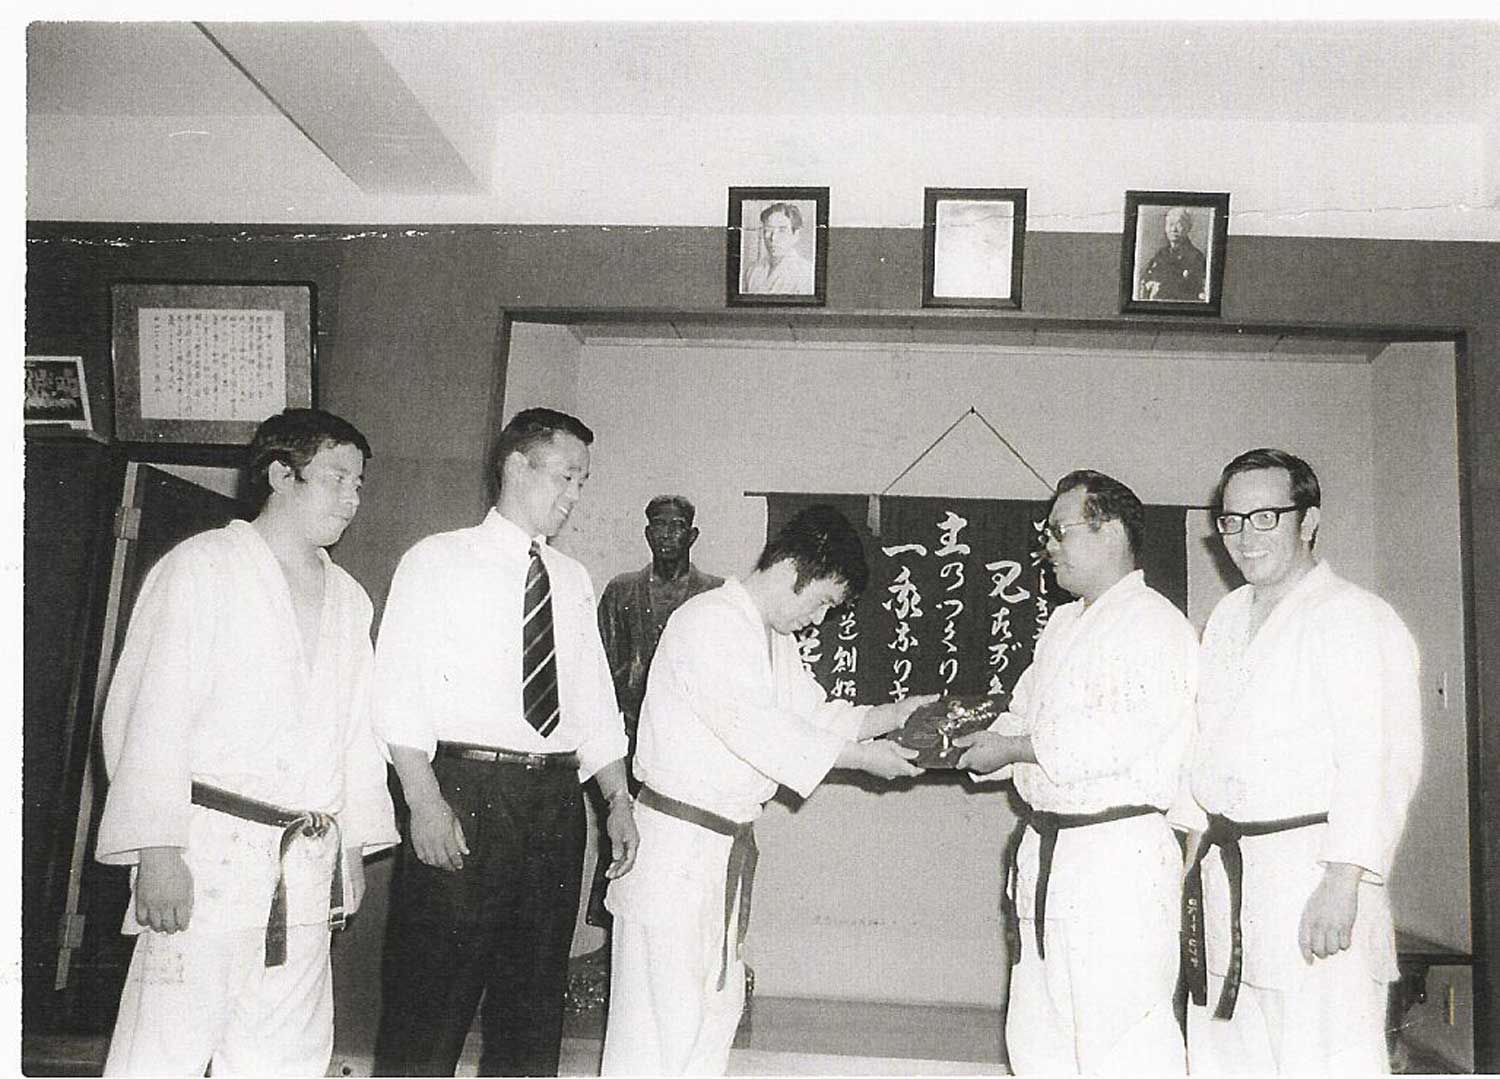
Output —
(930, 729)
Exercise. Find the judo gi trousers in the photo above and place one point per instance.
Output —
(1331, 1022)
(500, 927)
(1101, 1000)
(201, 996)
(667, 1013)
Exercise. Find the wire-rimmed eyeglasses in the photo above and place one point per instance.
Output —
(1059, 530)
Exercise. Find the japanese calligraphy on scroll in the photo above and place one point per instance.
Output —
(959, 591)
(207, 363)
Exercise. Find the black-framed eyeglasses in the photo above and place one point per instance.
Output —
(1262, 520)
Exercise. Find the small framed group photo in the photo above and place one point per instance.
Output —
(56, 392)
(204, 363)
(777, 246)
(1172, 252)
(973, 239)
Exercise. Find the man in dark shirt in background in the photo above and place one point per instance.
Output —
(633, 611)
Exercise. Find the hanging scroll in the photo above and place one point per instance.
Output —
(959, 591)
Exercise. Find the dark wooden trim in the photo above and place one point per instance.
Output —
(1484, 759)
(975, 318)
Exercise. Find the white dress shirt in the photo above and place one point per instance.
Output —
(448, 658)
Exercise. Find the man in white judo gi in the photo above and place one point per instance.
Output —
(1095, 737)
(245, 782)
(1309, 747)
(730, 713)
(783, 269)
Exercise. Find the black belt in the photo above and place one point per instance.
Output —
(1047, 825)
(1224, 834)
(467, 751)
(739, 876)
(292, 822)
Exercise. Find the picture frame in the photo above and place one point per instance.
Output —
(205, 363)
(57, 392)
(973, 246)
(1172, 252)
(776, 247)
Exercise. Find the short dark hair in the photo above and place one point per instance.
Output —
(823, 545)
(294, 437)
(531, 427)
(793, 215)
(1187, 215)
(679, 502)
(1306, 492)
(1107, 499)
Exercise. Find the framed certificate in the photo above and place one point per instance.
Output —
(206, 363)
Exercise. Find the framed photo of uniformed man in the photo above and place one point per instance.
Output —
(1172, 252)
(777, 246)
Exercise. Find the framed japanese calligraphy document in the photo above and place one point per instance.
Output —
(205, 364)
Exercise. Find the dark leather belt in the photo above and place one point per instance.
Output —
(1047, 825)
(739, 876)
(467, 751)
(292, 822)
(1224, 834)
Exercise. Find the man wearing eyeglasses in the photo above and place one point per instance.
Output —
(1095, 737)
(1309, 747)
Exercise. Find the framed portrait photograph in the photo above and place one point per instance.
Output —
(203, 364)
(973, 239)
(56, 392)
(777, 246)
(1172, 252)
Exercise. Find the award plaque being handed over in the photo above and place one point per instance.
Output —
(930, 729)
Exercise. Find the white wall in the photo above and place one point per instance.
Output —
(1390, 180)
(895, 895)
(548, 374)
(717, 421)
(1416, 528)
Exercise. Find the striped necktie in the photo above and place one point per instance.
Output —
(538, 653)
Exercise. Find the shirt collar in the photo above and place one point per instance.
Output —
(508, 535)
(1131, 582)
(1313, 579)
(735, 590)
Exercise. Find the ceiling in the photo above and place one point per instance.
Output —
(413, 107)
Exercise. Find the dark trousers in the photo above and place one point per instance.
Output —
(501, 926)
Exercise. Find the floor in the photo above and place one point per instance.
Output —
(800, 1036)
(785, 1036)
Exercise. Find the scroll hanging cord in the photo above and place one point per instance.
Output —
(1003, 440)
(874, 505)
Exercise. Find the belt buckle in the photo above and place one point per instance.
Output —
(533, 762)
